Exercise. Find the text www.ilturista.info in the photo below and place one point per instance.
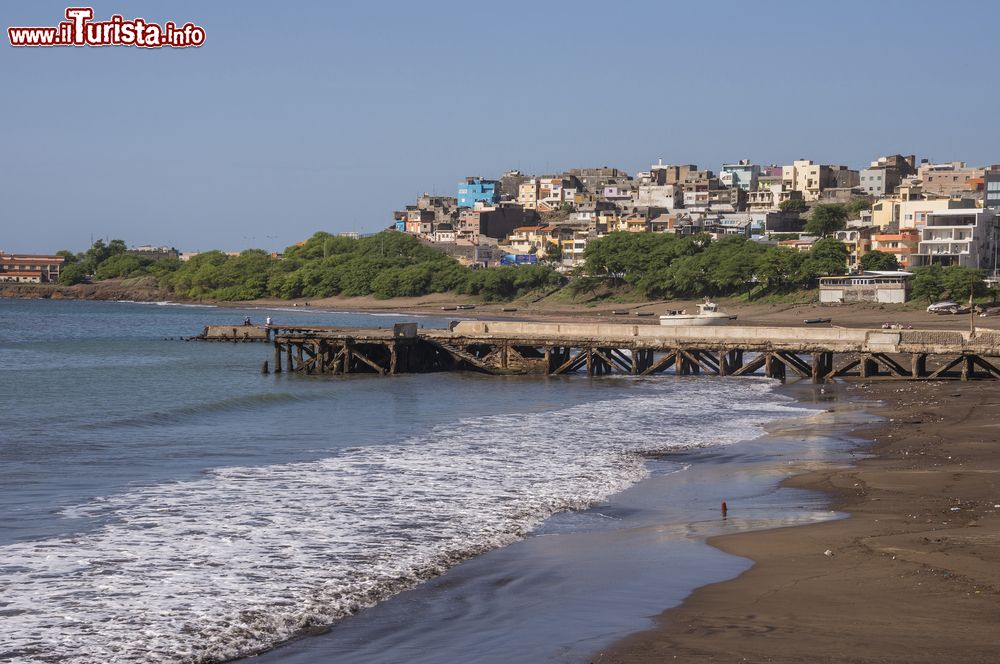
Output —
(80, 30)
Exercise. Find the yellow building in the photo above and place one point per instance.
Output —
(527, 194)
(805, 177)
(632, 224)
(885, 212)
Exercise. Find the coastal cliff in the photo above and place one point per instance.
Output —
(141, 290)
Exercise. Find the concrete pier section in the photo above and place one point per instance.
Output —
(497, 347)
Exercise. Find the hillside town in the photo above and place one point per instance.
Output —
(923, 213)
(887, 220)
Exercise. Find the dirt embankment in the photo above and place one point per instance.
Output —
(112, 289)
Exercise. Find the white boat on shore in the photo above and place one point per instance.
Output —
(708, 314)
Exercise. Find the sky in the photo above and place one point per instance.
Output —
(295, 117)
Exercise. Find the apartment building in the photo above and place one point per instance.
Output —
(947, 179)
(902, 244)
(30, 268)
(964, 237)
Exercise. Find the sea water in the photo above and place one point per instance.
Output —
(162, 501)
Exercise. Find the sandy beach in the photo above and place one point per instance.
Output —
(910, 576)
(863, 314)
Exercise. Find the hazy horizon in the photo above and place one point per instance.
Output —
(329, 118)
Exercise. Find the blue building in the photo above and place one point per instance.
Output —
(740, 176)
(477, 189)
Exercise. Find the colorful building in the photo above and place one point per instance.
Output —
(902, 245)
(30, 268)
(742, 175)
(475, 190)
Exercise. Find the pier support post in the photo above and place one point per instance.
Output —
(968, 367)
(869, 367)
(277, 357)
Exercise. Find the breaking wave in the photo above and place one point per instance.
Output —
(247, 557)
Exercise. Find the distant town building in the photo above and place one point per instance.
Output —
(886, 173)
(858, 243)
(947, 179)
(991, 188)
(494, 222)
(510, 183)
(155, 253)
(964, 237)
(527, 194)
(811, 179)
(669, 196)
(661, 173)
(913, 213)
(741, 175)
(901, 244)
(30, 268)
(475, 189)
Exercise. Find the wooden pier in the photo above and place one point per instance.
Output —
(234, 333)
(820, 355)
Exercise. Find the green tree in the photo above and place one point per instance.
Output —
(122, 265)
(935, 282)
(826, 218)
(928, 283)
(553, 252)
(733, 263)
(74, 273)
(793, 205)
(857, 206)
(827, 257)
(961, 282)
(68, 255)
(878, 260)
(779, 267)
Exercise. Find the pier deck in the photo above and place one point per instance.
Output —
(817, 354)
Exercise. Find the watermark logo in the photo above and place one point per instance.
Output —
(79, 29)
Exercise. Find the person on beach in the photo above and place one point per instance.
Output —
(246, 321)
(268, 320)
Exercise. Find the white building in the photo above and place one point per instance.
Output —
(958, 237)
(876, 286)
(667, 196)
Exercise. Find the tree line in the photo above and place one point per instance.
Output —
(385, 265)
(659, 265)
(391, 264)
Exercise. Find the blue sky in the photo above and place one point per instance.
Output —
(304, 116)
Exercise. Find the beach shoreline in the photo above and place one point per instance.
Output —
(909, 576)
(789, 314)
(666, 519)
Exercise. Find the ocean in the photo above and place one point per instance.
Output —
(162, 501)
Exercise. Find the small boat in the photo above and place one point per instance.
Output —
(644, 313)
(508, 309)
(816, 321)
(619, 312)
(449, 308)
(708, 314)
(466, 306)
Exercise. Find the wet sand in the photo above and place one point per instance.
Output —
(912, 576)
(643, 549)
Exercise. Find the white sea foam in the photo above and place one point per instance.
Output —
(244, 558)
(167, 303)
